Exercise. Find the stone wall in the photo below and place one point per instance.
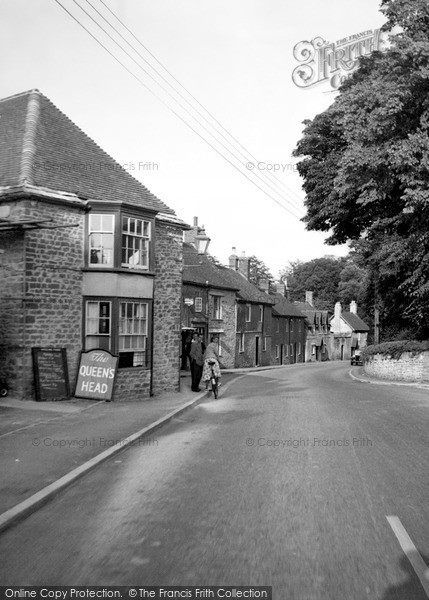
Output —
(407, 368)
(132, 384)
(167, 308)
(42, 296)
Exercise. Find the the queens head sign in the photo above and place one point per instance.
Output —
(322, 61)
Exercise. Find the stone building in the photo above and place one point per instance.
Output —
(89, 258)
(349, 331)
(318, 341)
(208, 303)
(289, 330)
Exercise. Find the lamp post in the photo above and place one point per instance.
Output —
(202, 241)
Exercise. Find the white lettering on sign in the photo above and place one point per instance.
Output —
(103, 372)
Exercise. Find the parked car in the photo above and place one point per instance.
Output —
(356, 359)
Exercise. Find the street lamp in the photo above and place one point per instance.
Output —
(202, 241)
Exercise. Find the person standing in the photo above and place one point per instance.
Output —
(196, 354)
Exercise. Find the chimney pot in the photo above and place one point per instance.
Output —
(309, 297)
(353, 307)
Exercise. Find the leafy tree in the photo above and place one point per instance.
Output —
(366, 168)
(320, 276)
(259, 270)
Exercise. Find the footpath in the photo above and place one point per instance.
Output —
(358, 374)
(46, 446)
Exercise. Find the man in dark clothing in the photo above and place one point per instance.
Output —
(196, 354)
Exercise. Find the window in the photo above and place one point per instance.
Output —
(291, 325)
(248, 313)
(198, 304)
(299, 325)
(277, 325)
(217, 307)
(133, 317)
(287, 325)
(261, 313)
(299, 348)
(277, 350)
(119, 326)
(286, 350)
(241, 343)
(101, 239)
(264, 344)
(135, 243)
(98, 325)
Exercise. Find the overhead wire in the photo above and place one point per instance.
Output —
(248, 153)
(167, 105)
(174, 99)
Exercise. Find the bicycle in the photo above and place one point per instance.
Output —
(214, 381)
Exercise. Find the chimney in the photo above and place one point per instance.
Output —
(233, 260)
(309, 298)
(353, 307)
(244, 265)
(280, 288)
(263, 284)
(190, 236)
(337, 309)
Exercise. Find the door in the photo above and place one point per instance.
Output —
(257, 351)
(281, 353)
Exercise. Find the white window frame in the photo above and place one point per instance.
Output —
(248, 313)
(286, 350)
(277, 351)
(133, 329)
(261, 313)
(264, 344)
(241, 343)
(140, 242)
(102, 320)
(104, 231)
(217, 308)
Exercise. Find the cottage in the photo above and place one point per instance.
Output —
(289, 330)
(208, 300)
(318, 342)
(89, 257)
(349, 330)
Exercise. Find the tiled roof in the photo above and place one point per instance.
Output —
(248, 292)
(284, 308)
(199, 269)
(40, 146)
(354, 321)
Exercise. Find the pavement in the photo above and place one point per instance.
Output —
(359, 374)
(47, 446)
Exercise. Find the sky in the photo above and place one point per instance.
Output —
(236, 58)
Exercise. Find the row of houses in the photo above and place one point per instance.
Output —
(91, 259)
(257, 325)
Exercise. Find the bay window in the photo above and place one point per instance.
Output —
(120, 326)
(135, 243)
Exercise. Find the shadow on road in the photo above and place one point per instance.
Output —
(411, 589)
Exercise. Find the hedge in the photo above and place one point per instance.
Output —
(395, 349)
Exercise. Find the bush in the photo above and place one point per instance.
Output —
(395, 349)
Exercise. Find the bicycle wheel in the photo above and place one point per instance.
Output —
(214, 387)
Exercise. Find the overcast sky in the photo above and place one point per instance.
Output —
(235, 57)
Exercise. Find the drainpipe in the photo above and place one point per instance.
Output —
(152, 338)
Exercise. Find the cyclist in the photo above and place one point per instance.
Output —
(211, 355)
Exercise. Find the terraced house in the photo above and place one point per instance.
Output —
(90, 258)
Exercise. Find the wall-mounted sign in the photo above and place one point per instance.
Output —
(51, 380)
(96, 375)
(189, 301)
(322, 61)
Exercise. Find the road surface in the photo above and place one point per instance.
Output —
(290, 479)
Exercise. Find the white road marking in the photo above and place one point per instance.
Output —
(411, 552)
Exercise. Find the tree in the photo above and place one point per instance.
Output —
(320, 276)
(366, 167)
(258, 271)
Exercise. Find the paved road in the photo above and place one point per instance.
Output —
(285, 481)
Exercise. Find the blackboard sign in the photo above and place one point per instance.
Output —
(51, 380)
(96, 375)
